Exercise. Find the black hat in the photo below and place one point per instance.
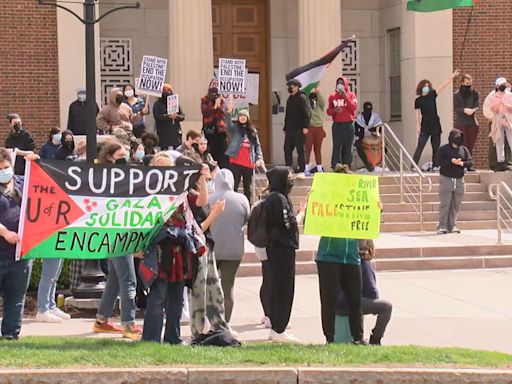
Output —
(294, 82)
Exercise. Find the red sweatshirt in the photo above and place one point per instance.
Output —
(347, 102)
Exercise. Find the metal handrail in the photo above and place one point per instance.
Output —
(500, 197)
(385, 131)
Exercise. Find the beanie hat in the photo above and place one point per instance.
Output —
(294, 82)
(244, 112)
(500, 81)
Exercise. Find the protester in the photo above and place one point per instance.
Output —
(150, 142)
(500, 114)
(14, 275)
(67, 149)
(228, 234)
(137, 152)
(190, 147)
(214, 126)
(49, 149)
(121, 279)
(296, 124)
(283, 242)
(77, 116)
(21, 139)
(465, 103)
(371, 303)
(365, 128)
(174, 269)
(139, 108)
(202, 150)
(342, 106)
(316, 133)
(168, 126)
(244, 150)
(428, 123)
(339, 266)
(116, 114)
(453, 159)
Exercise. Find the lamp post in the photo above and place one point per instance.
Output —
(92, 278)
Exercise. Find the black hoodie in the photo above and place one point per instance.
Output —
(67, 150)
(281, 221)
(447, 152)
(298, 113)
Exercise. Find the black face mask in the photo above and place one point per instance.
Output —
(502, 88)
(213, 90)
(69, 145)
(119, 99)
(457, 140)
(165, 95)
(290, 89)
(121, 161)
(289, 186)
(17, 127)
(465, 90)
(196, 147)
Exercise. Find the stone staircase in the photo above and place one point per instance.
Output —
(402, 246)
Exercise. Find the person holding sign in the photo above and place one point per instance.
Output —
(244, 151)
(168, 125)
(116, 114)
(21, 139)
(139, 108)
(214, 125)
(14, 275)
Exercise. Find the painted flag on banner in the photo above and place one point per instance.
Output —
(310, 74)
(437, 5)
(93, 211)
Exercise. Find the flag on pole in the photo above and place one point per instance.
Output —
(437, 5)
(310, 74)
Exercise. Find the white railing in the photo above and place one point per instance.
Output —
(409, 176)
(503, 197)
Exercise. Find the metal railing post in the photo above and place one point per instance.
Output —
(402, 175)
(421, 204)
(498, 212)
(383, 134)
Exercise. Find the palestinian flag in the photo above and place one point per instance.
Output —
(437, 5)
(93, 211)
(310, 74)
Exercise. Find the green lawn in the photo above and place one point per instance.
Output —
(41, 352)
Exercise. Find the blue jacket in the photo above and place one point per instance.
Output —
(370, 290)
(237, 138)
(48, 150)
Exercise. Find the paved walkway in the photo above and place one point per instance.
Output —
(469, 308)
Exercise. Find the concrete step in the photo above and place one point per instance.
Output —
(400, 264)
(394, 217)
(432, 197)
(431, 226)
(484, 205)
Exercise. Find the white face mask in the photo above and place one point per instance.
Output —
(129, 93)
(339, 87)
(82, 97)
(6, 175)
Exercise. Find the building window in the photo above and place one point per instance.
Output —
(395, 93)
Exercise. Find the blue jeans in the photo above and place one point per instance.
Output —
(163, 294)
(121, 280)
(50, 273)
(14, 280)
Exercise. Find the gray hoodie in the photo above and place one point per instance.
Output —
(228, 230)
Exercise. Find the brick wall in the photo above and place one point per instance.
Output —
(28, 67)
(487, 55)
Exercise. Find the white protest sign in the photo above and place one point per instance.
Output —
(152, 75)
(172, 104)
(232, 76)
(251, 92)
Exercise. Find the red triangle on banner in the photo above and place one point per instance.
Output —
(48, 209)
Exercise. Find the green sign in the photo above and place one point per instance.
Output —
(342, 205)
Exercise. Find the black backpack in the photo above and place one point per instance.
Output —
(257, 229)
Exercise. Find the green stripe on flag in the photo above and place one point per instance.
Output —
(437, 5)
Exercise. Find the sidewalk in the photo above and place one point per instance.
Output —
(468, 308)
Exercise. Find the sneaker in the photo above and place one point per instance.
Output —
(107, 327)
(360, 342)
(284, 338)
(374, 341)
(266, 322)
(47, 317)
(319, 168)
(233, 332)
(132, 331)
(300, 176)
(307, 173)
(61, 314)
(500, 167)
(441, 231)
(436, 169)
(455, 230)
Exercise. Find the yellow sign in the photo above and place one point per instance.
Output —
(344, 205)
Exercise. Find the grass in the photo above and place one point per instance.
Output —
(50, 352)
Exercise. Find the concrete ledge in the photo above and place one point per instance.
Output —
(257, 376)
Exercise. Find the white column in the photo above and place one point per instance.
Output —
(425, 55)
(190, 55)
(320, 32)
